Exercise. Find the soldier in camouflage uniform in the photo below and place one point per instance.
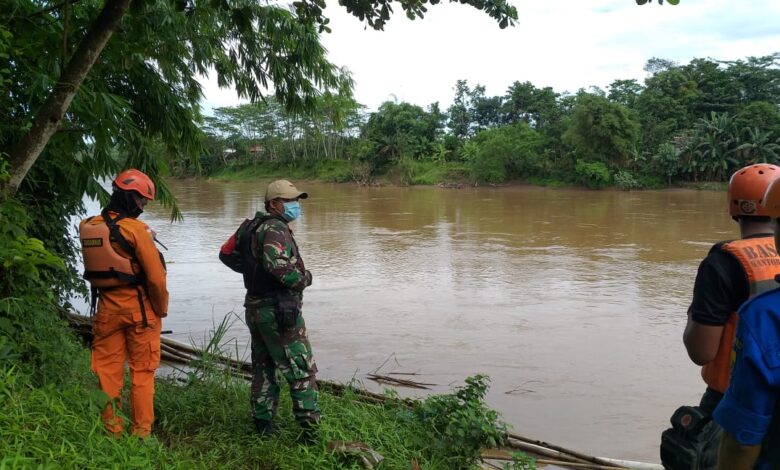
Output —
(275, 277)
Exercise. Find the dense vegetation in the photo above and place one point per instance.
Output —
(693, 122)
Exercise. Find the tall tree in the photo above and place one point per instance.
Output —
(250, 45)
(524, 102)
(758, 78)
(601, 130)
(460, 122)
(520, 102)
(715, 91)
(486, 110)
(625, 92)
(657, 64)
(664, 106)
(400, 130)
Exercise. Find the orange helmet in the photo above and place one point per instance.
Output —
(747, 187)
(772, 200)
(134, 180)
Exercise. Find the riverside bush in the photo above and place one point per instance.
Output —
(626, 181)
(32, 336)
(594, 175)
(459, 424)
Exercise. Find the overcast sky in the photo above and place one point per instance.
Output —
(566, 44)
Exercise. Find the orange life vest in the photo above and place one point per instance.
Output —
(103, 266)
(761, 263)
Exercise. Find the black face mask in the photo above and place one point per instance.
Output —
(124, 203)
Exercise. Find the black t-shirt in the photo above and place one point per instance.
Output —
(721, 287)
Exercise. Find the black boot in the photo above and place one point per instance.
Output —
(264, 428)
(309, 432)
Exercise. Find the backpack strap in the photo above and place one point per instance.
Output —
(116, 236)
(252, 227)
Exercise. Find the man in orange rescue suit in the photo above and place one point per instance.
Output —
(127, 275)
(732, 272)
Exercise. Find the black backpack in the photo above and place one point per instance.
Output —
(231, 251)
(692, 442)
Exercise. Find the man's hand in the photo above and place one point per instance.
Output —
(308, 278)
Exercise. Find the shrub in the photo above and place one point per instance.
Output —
(594, 175)
(498, 154)
(460, 424)
(625, 180)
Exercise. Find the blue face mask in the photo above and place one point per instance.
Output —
(292, 210)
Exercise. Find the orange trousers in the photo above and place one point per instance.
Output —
(120, 337)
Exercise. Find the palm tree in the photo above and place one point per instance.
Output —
(759, 146)
(713, 147)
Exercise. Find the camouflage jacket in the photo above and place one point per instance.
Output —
(275, 246)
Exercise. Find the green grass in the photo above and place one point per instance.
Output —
(406, 172)
(335, 171)
(427, 172)
(410, 172)
(203, 421)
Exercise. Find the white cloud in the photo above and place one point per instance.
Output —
(216, 97)
(566, 44)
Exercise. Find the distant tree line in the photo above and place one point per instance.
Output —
(692, 122)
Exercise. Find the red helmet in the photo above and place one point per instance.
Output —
(747, 188)
(134, 180)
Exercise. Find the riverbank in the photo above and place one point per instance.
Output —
(405, 173)
(424, 173)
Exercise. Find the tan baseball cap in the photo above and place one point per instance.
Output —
(283, 189)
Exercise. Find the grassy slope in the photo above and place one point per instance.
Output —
(203, 422)
(337, 171)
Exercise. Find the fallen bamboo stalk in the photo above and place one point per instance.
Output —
(550, 453)
(173, 359)
(190, 350)
(560, 463)
(393, 380)
(634, 465)
(580, 455)
(502, 455)
(175, 352)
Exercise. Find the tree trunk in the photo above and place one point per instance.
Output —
(48, 118)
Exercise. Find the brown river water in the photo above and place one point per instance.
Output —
(572, 301)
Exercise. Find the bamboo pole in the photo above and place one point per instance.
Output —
(634, 465)
(551, 453)
(199, 353)
(175, 352)
(587, 458)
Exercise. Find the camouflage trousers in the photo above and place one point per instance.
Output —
(284, 350)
